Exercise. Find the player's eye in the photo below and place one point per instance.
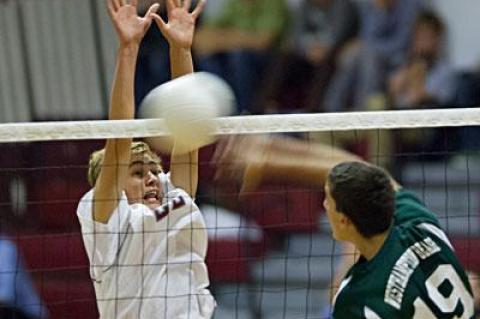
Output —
(138, 173)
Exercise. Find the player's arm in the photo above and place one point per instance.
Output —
(130, 29)
(179, 32)
(302, 161)
(290, 160)
(311, 162)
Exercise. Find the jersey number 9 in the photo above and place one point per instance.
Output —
(446, 304)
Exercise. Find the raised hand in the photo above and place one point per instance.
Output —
(130, 27)
(180, 27)
(242, 158)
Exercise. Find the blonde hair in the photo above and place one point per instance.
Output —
(96, 159)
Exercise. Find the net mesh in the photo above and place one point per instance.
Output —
(270, 252)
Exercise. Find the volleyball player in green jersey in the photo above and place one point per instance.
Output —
(407, 266)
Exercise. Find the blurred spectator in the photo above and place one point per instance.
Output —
(18, 298)
(426, 79)
(235, 43)
(299, 76)
(385, 32)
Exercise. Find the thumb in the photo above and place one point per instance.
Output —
(153, 9)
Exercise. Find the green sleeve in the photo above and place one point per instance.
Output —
(410, 210)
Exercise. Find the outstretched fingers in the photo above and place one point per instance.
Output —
(153, 9)
(112, 6)
(199, 8)
(170, 5)
(161, 24)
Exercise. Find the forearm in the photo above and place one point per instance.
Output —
(307, 171)
(181, 62)
(183, 166)
(311, 149)
(184, 171)
(122, 94)
(288, 160)
(113, 173)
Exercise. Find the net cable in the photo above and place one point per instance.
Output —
(249, 124)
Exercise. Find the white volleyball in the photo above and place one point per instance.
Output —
(189, 105)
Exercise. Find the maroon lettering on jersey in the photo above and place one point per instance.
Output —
(178, 202)
(162, 211)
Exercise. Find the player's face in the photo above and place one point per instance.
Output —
(334, 217)
(143, 185)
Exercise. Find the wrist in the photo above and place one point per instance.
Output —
(129, 48)
(180, 61)
(180, 51)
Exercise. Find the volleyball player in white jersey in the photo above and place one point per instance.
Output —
(145, 238)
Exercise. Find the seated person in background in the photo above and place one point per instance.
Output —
(18, 298)
(235, 44)
(300, 74)
(385, 32)
(407, 266)
(426, 79)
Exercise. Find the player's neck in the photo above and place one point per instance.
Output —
(369, 247)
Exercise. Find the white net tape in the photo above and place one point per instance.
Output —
(253, 124)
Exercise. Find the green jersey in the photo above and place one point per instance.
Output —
(414, 275)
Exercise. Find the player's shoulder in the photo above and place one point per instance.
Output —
(406, 196)
(86, 199)
(85, 206)
(410, 210)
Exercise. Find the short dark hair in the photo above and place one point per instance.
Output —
(432, 20)
(365, 194)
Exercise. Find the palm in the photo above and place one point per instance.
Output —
(180, 28)
(130, 27)
(181, 23)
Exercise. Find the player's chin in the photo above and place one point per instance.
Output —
(152, 203)
(153, 206)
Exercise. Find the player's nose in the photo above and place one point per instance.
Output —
(151, 178)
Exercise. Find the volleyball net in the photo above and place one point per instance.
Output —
(270, 251)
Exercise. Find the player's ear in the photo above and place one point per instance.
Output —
(345, 222)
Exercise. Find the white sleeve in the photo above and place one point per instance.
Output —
(103, 241)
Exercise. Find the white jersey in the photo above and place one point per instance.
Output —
(149, 264)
